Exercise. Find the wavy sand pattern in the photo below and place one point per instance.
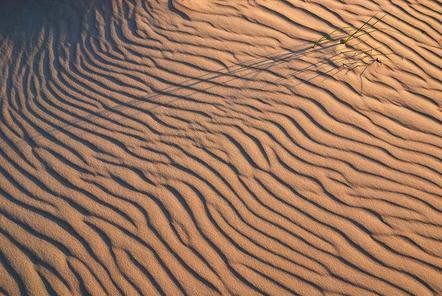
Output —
(203, 147)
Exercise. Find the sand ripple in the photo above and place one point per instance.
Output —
(153, 147)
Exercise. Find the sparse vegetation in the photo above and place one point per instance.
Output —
(352, 35)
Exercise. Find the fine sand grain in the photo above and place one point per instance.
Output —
(205, 147)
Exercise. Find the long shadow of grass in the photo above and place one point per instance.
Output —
(338, 61)
(254, 66)
(234, 73)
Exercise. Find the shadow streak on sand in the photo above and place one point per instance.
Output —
(26, 18)
(236, 71)
(69, 15)
(233, 73)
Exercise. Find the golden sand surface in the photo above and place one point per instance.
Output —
(207, 147)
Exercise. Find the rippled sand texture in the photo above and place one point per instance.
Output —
(203, 147)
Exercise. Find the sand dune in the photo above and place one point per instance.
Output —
(205, 147)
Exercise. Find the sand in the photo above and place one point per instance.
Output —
(205, 147)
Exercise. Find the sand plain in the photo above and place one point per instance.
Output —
(205, 147)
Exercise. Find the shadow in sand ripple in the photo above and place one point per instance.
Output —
(25, 19)
(204, 147)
